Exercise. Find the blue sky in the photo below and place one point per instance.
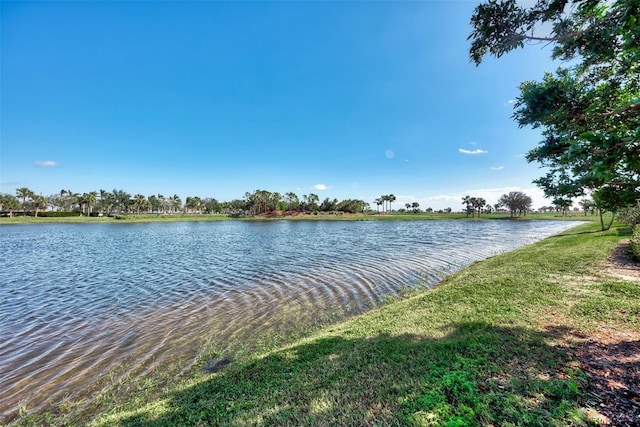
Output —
(213, 99)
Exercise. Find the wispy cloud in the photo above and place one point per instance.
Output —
(320, 187)
(478, 151)
(46, 163)
(497, 168)
(511, 101)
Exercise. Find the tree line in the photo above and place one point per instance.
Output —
(120, 202)
(259, 202)
(517, 202)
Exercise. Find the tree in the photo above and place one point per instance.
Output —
(467, 202)
(313, 200)
(415, 206)
(191, 204)
(391, 198)
(70, 199)
(24, 193)
(517, 202)
(562, 204)
(379, 201)
(292, 201)
(211, 205)
(106, 201)
(39, 202)
(89, 199)
(140, 202)
(329, 205)
(589, 113)
(587, 205)
(9, 202)
(121, 200)
(176, 203)
(351, 206)
(478, 204)
(154, 203)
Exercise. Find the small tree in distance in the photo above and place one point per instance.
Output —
(517, 202)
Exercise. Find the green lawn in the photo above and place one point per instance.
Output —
(488, 346)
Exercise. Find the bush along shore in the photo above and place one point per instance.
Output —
(545, 335)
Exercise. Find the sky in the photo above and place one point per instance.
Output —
(344, 99)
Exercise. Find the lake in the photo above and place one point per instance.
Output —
(82, 305)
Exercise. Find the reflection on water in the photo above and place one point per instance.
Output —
(80, 300)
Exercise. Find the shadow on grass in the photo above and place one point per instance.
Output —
(478, 374)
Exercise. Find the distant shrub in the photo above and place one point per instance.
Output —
(634, 246)
(57, 214)
(630, 216)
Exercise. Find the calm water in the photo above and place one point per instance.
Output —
(78, 301)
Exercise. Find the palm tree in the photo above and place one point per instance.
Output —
(467, 201)
(89, 199)
(39, 201)
(70, 198)
(164, 203)
(140, 202)
(478, 204)
(154, 202)
(391, 199)
(378, 202)
(384, 199)
(106, 201)
(176, 203)
(122, 200)
(24, 193)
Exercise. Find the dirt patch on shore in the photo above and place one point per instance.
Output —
(611, 361)
(610, 357)
(621, 265)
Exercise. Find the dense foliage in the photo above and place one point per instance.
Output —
(120, 202)
(635, 243)
(589, 112)
(517, 202)
(630, 215)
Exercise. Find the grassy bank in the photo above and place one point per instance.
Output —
(493, 344)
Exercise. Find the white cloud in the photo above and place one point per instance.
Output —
(46, 163)
(478, 151)
(511, 101)
(320, 187)
(497, 168)
(389, 154)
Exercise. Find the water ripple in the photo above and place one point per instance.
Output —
(81, 301)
